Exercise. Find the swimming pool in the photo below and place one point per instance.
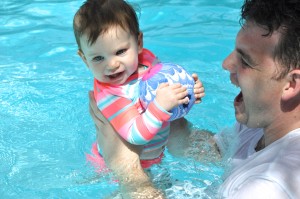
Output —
(45, 127)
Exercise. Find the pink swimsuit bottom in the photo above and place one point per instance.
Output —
(97, 160)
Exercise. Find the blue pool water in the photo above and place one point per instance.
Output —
(45, 127)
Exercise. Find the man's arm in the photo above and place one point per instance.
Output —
(122, 158)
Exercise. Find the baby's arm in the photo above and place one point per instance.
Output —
(135, 127)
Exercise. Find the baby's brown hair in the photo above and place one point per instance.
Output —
(95, 17)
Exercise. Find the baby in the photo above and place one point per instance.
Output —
(110, 43)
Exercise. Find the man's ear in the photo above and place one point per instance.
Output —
(140, 42)
(81, 55)
(292, 87)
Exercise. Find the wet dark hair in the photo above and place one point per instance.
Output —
(282, 16)
(95, 17)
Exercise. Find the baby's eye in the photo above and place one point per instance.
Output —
(98, 58)
(122, 51)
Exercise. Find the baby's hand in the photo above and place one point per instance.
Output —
(199, 91)
(170, 96)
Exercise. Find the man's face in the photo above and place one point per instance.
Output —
(252, 68)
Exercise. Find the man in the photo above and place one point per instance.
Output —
(265, 64)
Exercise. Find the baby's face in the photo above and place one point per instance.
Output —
(113, 57)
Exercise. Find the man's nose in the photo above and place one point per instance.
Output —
(229, 63)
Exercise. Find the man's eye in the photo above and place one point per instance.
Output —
(120, 52)
(245, 64)
(98, 58)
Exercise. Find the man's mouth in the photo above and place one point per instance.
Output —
(238, 99)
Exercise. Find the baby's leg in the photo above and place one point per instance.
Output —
(186, 141)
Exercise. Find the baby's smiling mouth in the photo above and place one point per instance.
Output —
(114, 76)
